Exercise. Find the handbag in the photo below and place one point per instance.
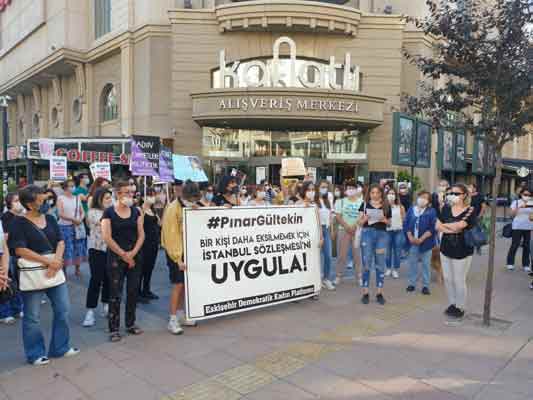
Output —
(32, 274)
(507, 231)
(475, 237)
(79, 230)
(358, 233)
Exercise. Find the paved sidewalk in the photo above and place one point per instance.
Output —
(334, 348)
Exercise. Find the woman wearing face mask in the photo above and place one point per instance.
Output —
(258, 199)
(228, 192)
(36, 237)
(375, 217)
(11, 310)
(347, 214)
(324, 202)
(123, 233)
(99, 282)
(207, 192)
(52, 201)
(71, 215)
(419, 227)
(522, 210)
(244, 198)
(150, 246)
(396, 236)
(455, 255)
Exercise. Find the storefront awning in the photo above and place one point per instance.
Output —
(268, 108)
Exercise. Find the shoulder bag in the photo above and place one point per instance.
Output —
(79, 230)
(32, 274)
(358, 232)
(474, 237)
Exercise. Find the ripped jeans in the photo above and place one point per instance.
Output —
(374, 244)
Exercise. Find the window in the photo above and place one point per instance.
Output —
(109, 103)
(102, 17)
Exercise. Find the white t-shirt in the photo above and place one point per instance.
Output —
(521, 221)
(396, 220)
(324, 214)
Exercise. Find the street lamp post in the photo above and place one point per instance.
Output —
(5, 140)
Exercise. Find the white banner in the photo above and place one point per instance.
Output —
(101, 170)
(58, 168)
(244, 258)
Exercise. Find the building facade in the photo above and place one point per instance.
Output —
(242, 84)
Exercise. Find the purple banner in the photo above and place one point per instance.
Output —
(145, 155)
(166, 168)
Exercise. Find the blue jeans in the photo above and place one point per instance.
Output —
(394, 249)
(13, 307)
(373, 248)
(325, 253)
(31, 323)
(416, 257)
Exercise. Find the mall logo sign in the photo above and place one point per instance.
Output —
(287, 104)
(300, 72)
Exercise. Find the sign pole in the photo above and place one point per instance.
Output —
(5, 139)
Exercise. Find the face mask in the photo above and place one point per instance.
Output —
(526, 198)
(18, 207)
(359, 190)
(69, 189)
(260, 195)
(310, 195)
(86, 181)
(51, 203)
(337, 193)
(391, 197)
(323, 191)
(44, 208)
(127, 201)
(421, 202)
(108, 203)
(351, 192)
(150, 200)
(453, 199)
(209, 197)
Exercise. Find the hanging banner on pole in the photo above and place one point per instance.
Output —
(46, 148)
(58, 168)
(246, 258)
(145, 155)
(166, 168)
(101, 170)
(188, 168)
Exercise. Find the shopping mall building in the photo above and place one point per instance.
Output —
(240, 83)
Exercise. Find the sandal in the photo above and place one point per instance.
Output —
(115, 337)
(135, 330)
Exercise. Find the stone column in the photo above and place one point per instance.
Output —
(126, 89)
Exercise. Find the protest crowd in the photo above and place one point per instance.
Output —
(119, 227)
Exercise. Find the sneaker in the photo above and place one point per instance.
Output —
(89, 319)
(72, 352)
(8, 320)
(388, 272)
(380, 299)
(425, 291)
(41, 361)
(410, 289)
(450, 310)
(105, 310)
(187, 322)
(510, 268)
(531, 285)
(459, 314)
(151, 296)
(337, 281)
(174, 326)
(328, 284)
(365, 299)
(527, 269)
(395, 274)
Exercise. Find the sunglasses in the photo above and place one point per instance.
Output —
(456, 193)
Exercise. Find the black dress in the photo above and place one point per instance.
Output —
(149, 250)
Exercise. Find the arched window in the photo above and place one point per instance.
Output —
(109, 103)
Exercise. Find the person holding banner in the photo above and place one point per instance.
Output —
(207, 195)
(324, 202)
(123, 233)
(71, 216)
(375, 217)
(259, 196)
(228, 190)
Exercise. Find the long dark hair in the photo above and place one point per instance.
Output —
(384, 203)
(396, 194)
(304, 188)
(323, 197)
(98, 198)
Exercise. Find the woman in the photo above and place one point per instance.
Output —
(97, 184)
(33, 237)
(99, 282)
(123, 233)
(455, 255)
(258, 197)
(52, 201)
(13, 308)
(419, 227)
(293, 196)
(244, 198)
(71, 215)
(228, 190)
(522, 211)
(160, 201)
(347, 214)
(325, 212)
(375, 217)
(207, 192)
(150, 246)
(4, 262)
(395, 233)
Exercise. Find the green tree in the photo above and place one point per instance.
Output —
(480, 70)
